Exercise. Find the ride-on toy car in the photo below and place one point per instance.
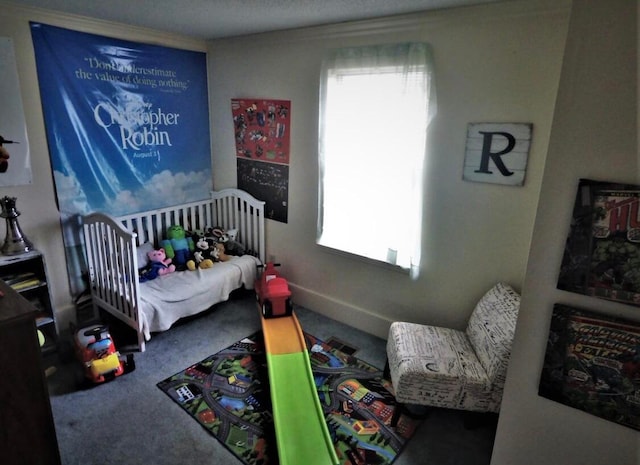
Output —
(273, 294)
(96, 351)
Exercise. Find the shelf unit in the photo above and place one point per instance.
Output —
(28, 430)
(26, 273)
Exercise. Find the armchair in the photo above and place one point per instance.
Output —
(464, 370)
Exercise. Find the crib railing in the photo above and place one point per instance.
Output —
(113, 268)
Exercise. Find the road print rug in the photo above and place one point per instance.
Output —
(228, 394)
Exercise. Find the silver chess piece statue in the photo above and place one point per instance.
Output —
(15, 241)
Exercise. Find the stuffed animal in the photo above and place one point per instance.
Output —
(211, 234)
(213, 251)
(159, 265)
(200, 259)
(228, 238)
(232, 246)
(222, 254)
(195, 234)
(178, 246)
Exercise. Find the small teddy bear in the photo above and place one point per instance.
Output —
(159, 265)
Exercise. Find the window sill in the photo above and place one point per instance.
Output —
(364, 260)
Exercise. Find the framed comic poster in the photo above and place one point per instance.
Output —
(602, 252)
(592, 363)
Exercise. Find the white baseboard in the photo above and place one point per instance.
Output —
(343, 312)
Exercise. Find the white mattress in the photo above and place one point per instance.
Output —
(166, 299)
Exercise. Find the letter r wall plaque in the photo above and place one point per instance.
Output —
(497, 153)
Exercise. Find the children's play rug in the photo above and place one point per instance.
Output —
(228, 394)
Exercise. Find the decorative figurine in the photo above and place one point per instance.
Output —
(15, 241)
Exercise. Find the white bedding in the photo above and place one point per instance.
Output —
(166, 299)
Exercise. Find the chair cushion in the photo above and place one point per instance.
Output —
(436, 366)
(491, 329)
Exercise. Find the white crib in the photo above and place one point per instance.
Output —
(111, 247)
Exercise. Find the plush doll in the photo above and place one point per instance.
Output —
(194, 234)
(178, 246)
(200, 259)
(214, 254)
(228, 238)
(159, 265)
(222, 254)
(232, 246)
(210, 234)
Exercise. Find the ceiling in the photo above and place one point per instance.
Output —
(213, 19)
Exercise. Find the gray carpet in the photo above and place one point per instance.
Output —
(131, 421)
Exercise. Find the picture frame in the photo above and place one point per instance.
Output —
(592, 363)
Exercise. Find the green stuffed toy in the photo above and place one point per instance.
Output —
(178, 246)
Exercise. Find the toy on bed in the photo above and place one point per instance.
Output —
(178, 246)
(201, 257)
(221, 253)
(158, 265)
(228, 239)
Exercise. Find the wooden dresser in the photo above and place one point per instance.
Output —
(27, 432)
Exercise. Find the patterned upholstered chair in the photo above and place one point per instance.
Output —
(464, 370)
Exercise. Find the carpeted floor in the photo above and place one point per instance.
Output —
(130, 421)
(228, 393)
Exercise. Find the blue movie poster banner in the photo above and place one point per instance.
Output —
(127, 123)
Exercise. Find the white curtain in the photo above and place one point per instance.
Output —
(375, 105)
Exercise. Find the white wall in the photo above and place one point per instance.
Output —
(594, 135)
(494, 63)
(37, 202)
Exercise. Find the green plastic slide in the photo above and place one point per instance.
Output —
(301, 429)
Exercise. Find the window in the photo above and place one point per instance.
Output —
(376, 103)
